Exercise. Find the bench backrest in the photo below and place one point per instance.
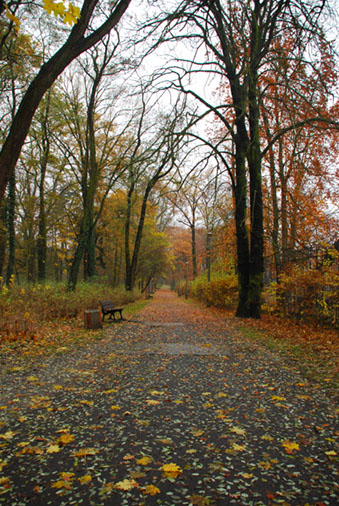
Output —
(105, 304)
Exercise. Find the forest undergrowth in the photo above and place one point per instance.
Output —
(42, 319)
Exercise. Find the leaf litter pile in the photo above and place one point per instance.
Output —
(170, 408)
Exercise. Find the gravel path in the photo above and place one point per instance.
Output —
(170, 408)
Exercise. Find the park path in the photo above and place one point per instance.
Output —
(172, 407)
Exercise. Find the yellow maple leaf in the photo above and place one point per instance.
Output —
(75, 12)
(151, 490)
(278, 398)
(152, 402)
(265, 465)
(65, 439)
(238, 430)
(67, 476)
(70, 18)
(4, 480)
(53, 449)
(85, 479)
(3, 463)
(247, 476)
(49, 6)
(23, 444)
(171, 470)
(125, 485)
(238, 448)
(157, 392)
(88, 403)
(115, 407)
(290, 446)
(7, 435)
(331, 453)
(62, 484)
(84, 452)
(144, 461)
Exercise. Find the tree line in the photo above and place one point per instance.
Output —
(260, 146)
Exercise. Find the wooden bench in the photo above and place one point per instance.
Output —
(107, 307)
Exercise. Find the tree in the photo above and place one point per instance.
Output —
(80, 39)
(93, 150)
(238, 38)
(146, 168)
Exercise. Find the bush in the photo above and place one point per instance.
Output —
(22, 308)
(308, 294)
(220, 292)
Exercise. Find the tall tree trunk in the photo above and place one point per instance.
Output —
(91, 257)
(11, 229)
(42, 234)
(256, 204)
(240, 196)
(85, 231)
(243, 253)
(3, 235)
(128, 265)
(194, 251)
(137, 242)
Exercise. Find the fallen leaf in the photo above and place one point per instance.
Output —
(290, 446)
(65, 439)
(85, 479)
(331, 453)
(238, 448)
(125, 485)
(7, 435)
(152, 402)
(84, 452)
(171, 470)
(144, 461)
(151, 490)
(53, 449)
(238, 430)
(199, 500)
(128, 456)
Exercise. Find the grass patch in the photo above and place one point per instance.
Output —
(312, 350)
(135, 307)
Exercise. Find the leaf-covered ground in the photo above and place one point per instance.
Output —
(172, 407)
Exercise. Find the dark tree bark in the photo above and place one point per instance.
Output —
(11, 229)
(42, 228)
(3, 235)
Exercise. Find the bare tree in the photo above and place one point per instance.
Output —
(234, 41)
